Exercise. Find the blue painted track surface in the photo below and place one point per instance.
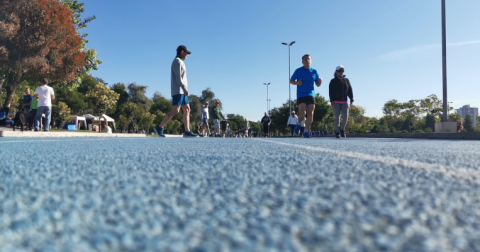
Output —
(227, 194)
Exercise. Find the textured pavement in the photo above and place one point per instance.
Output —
(228, 194)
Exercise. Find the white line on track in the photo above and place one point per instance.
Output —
(462, 173)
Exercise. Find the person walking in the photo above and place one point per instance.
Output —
(339, 89)
(45, 96)
(292, 122)
(204, 116)
(224, 125)
(266, 124)
(304, 78)
(217, 116)
(179, 91)
(246, 126)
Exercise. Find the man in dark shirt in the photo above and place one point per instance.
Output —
(27, 100)
(266, 124)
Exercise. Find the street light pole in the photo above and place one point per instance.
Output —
(289, 85)
(267, 84)
(444, 63)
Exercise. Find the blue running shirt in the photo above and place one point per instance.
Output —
(308, 77)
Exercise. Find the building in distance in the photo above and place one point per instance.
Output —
(463, 111)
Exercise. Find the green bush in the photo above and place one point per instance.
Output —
(61, 114)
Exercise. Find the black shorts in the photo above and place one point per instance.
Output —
(308, 100)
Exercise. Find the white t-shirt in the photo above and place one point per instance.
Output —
(44, 95)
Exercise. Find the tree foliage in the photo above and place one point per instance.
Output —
(38, 39)
(468, 124)
(101, 98)
(61, 113)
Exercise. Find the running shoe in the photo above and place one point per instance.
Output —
(342, 134)
(337, 134)
(159, 131)
(297, 129)
(306, 135)
(190, 134)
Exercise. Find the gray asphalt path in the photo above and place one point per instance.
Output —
(227, 194)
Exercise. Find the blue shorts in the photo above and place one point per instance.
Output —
(205, 121)
(179, 100)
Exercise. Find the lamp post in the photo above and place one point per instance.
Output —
(444, 63)
(267, 84)
(449, 108)
(289, 85)
(268, 106)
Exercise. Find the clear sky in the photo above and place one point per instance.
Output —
(390, 49)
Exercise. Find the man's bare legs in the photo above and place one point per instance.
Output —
(310, 109)
(186, 117)
(174, 111)
(302, 108)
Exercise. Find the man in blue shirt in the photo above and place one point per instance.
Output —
(304, 77)
(27, 100)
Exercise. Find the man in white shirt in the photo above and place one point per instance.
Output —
(205, 117)
(292, 122)
(45, 95)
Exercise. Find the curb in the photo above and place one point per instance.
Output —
(31, 134)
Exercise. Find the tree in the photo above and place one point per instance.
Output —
(431, 105)
(136, 94)
(195, 111)
(72, 98)
(91, 60)
(430, 123)
(38, 39)
(61, 114)
(455, 117)
(101, 98)
(468, 124)
(146, 121)
(207, 96)
(120, 89)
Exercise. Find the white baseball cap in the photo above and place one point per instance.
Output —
(339, 67)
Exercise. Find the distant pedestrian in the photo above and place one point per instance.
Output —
(339, 89)
(266, 121)
(45, 96)
(217, 116)
(292, 122)
(304, 77)
(224, 126)
(246, 127)
(179, 89)
(205, 117)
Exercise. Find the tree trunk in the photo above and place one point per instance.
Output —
(11, 91)
(2, 80)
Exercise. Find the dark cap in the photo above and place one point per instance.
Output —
(44, 81)
(182, 48)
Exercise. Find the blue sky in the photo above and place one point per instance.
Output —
(390, 49)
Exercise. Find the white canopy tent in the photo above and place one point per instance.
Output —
(104, 117)
(78, 119)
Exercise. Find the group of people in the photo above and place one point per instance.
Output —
(218, 120)
(340, 90)
(36, 106)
